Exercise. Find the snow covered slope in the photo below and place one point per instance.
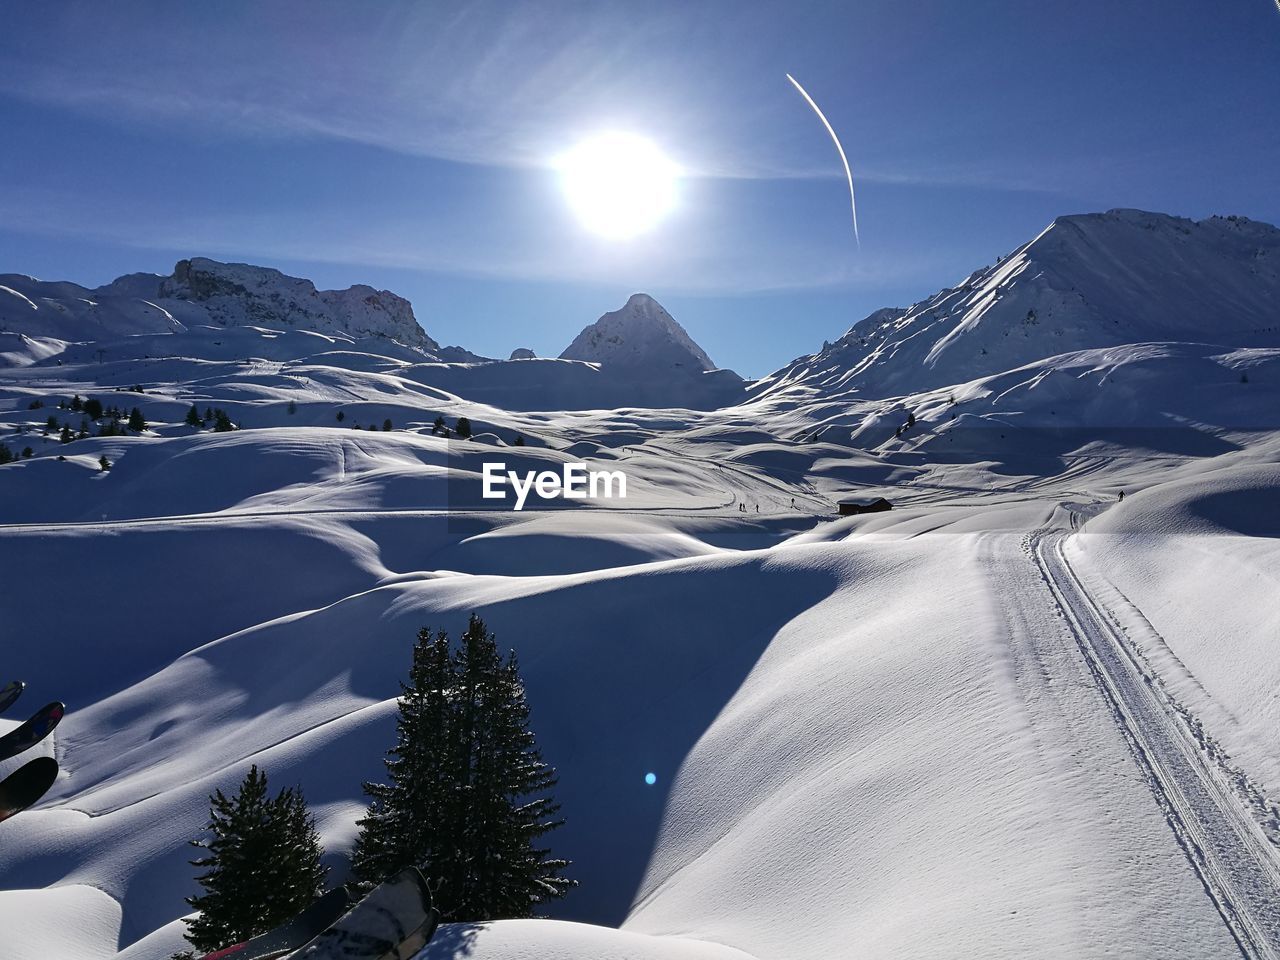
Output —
(1086, 282)
(1010, 717)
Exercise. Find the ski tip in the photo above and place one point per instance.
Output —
(26, 786)
(10, 692)
(41, 770)
(52, 712)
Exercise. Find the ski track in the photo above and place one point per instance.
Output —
(1224, 844)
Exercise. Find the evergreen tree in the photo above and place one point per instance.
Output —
(76, 404)
(65, 436)
(103, 463)
(221, 422)
(468, 798)
(386, 425)
(519, 441)
(502, 874)
(84, 430)
(27, 453)
(50, 425)
(409, 819)
(437, 425)
(93, 408)
(293, 407)
(463, 428)
(6, 455)
(136, 423)
(341, 416)
(263, 864)
(193, 417)
(911, 419)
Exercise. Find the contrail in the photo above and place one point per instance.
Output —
(853, 203)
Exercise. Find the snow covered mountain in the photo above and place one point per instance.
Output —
(639, 336)
(1013, 716)
(206, 310)
(644, 352)
(203, 292)
(1086, 282)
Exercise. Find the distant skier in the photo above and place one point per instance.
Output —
(1122, 495)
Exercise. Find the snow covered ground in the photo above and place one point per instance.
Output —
(1013, 716)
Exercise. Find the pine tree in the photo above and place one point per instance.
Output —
(519, 441)
(65, 436)
(136, 423)
(341, 416)
(407, 823)
(93, 408)
(103, 463)
(193, 417)
(293, 406)
(468, 794)
(503, 874)
(221, 422)
(438, 425)
(76, 404)
(263, 865)
(386, 425)
(463, 429)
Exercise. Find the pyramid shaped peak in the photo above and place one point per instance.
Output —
(641, 334)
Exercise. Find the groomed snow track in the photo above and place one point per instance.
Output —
(1226, 847)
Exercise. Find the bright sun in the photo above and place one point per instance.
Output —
(618, 184)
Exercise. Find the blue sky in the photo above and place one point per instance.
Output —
(409, 146)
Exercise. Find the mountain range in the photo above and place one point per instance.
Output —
(1086, 282)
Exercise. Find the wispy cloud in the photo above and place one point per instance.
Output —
(485, 82)
(704, 263)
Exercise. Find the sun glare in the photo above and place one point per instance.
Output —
(618, 184)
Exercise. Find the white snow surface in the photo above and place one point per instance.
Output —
(945, 730)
